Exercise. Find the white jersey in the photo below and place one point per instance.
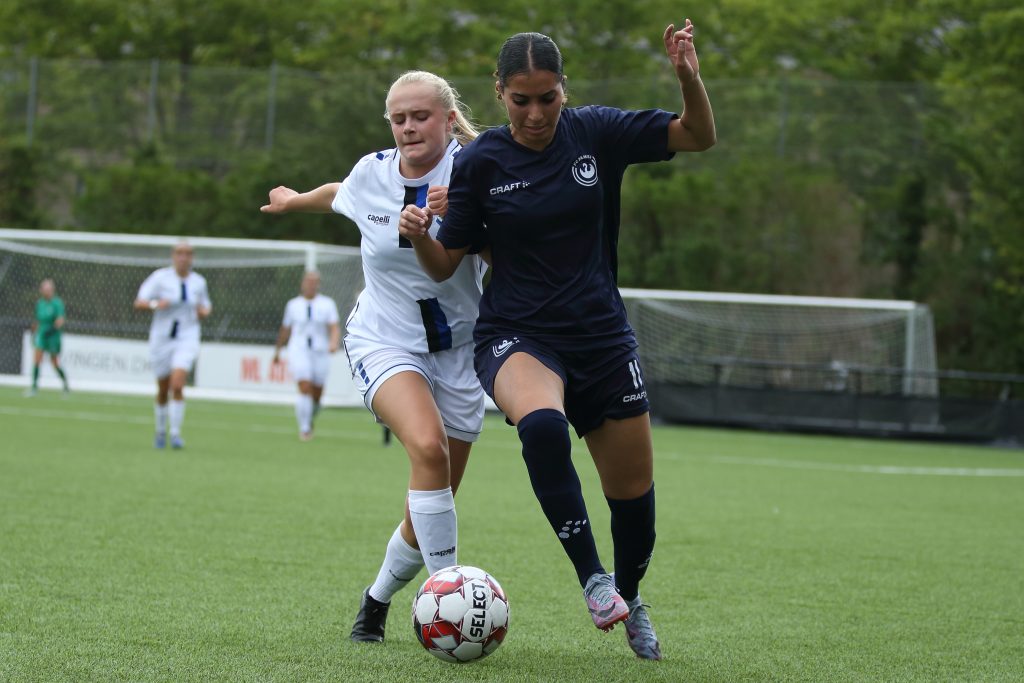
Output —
(179, 321)
(310, 321)
(401, 306)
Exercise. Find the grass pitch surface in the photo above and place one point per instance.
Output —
(242, 558)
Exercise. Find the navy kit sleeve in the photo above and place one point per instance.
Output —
(634, 136)
(463, 225)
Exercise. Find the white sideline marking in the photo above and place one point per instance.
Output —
(859, 469)
(141, 420)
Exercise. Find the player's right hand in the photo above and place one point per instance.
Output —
(161, 304)
(279, 197)
(414, 223)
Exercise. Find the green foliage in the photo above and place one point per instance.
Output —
(985, 92)
(148, 192)
(865, 148)
(21, 180)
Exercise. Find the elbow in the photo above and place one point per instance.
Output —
(706, 138)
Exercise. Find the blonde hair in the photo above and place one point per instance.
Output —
(463, 129)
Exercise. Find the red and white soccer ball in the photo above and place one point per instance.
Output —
(460, 614)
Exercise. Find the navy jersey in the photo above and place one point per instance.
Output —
(552, 220)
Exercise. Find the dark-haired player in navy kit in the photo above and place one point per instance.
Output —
(553, 345)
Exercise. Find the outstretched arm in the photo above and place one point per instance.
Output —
(694, 130)
(437, 261)
(287, 200)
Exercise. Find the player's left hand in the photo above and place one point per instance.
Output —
(202, 312)
(437, 200)
(682, 54)
(332, 348)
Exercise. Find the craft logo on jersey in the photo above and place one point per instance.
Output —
(584, 170)
(501, 189)
(503, 346)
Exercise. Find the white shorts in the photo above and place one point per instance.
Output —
(309, 366)
(172, 354)
(450, 375)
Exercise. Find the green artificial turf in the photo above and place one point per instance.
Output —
(242, 558)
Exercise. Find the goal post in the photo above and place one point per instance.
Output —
(798, 342)
(98, 276)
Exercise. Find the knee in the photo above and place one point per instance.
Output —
(547, 452)
(428, 451)
(546, 431)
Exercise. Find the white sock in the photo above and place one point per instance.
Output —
(304, 412)
(160, 413)
(402, 563)
(433, 520)
(177, 414)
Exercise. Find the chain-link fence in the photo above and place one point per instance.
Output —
(212, 116)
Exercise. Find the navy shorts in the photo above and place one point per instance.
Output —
(599, 384)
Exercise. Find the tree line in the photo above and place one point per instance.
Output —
(866, 149)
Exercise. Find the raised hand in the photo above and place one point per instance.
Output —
(279, 197)
(679, 46)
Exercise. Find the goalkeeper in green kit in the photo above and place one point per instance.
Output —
(46, 330)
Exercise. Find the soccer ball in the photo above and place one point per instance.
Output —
(460, 614)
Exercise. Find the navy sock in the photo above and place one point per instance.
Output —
(547, 453)
(633, 536)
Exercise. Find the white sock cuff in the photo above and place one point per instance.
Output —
(431, 502)
(407, 552)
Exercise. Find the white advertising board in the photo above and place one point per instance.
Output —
(228, 371)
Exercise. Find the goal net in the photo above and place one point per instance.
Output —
(788, 342)
(98, 276)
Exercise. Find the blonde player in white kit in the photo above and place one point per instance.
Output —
(409, 339)
(312, 331)
(179, 300)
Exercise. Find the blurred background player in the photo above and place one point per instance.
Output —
(46, 330)
(409, 339)
(179, 300)
(553, 345)
(312, 330)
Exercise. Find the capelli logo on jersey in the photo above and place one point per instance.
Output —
(584, 170)
(511, 187)
(502, 347)
(378, 220)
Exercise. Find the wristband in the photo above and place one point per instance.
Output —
(153, 303)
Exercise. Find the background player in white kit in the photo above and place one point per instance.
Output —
(409, 339)
(179, 300)
(312, 331)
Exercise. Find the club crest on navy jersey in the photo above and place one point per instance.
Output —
(584, 170)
